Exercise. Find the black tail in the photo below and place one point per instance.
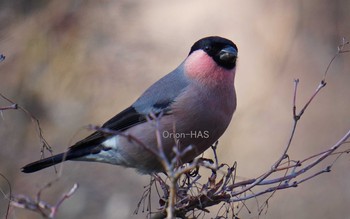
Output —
(44, 163)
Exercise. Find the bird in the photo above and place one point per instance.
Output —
(188, 110)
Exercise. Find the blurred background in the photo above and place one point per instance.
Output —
(74, 63)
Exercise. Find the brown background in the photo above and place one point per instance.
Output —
(75, 63)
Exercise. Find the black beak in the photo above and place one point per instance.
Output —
(228, 54)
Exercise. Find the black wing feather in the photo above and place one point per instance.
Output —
(124, 120)
(120, 122)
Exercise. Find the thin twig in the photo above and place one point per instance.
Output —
(9, 196)
(45, 144)
(38, 205)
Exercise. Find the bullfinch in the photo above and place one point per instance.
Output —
(189, 108)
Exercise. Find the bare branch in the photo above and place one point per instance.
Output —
(45, 144)
(9, 196)
(38, 205)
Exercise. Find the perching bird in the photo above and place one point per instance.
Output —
(194, 104)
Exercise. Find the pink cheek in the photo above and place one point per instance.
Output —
(199, 65)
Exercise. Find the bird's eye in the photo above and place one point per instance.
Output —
(207, 48)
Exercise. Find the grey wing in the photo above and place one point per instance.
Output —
(159, 97)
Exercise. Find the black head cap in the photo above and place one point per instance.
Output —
(223, 51)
